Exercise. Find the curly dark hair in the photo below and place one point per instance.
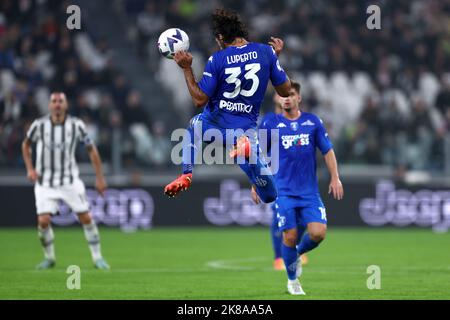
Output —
(228, 24)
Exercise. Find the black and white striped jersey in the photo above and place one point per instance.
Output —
(55, 149)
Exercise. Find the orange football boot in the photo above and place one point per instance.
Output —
(278, 264)
(181, 183)
(304, 259)
(242, 148)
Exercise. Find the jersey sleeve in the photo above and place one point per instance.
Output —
(83, 136)
(277, 74)
(33, 132)
(208, 82)
(322, 140)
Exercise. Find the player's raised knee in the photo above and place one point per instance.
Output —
(318, 233)
(85, 218)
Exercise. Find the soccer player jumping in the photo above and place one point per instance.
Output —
(56, 175)
(299, 205)
(231, 90)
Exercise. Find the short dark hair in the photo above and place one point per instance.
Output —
(296, 86)
(57, 92)
(228, 24)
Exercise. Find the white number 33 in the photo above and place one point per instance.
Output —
(252, 69)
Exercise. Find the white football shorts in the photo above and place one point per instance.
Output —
(73, 195)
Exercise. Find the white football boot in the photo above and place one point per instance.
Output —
(294, 287)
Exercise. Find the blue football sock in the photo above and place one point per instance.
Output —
(261, 177)
(276, 237)
(290, 260)
(189, 147)
(258, 172)
(300, 231)
(306, 244)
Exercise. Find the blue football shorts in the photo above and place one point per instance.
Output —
(293, 211)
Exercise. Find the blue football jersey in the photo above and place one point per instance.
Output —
(268, 117)
(298, 140)
(235, 80)
(264, 141)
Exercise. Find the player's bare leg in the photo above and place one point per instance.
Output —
(47, 238)
(93, 238)
(317, 231)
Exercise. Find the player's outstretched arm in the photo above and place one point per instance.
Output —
(335, 186)
(94, 155)
(184, 60)
(26, 153)
(284, 88)
(278, 76)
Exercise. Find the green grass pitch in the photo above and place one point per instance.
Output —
(226, 263)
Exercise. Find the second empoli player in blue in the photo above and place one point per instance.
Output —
(231, 91)
(299, 205)
(275, 234)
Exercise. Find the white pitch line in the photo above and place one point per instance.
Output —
(233, 264)
(126, 270)
(230, 264)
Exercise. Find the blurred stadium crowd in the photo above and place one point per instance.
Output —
(39, 54)
(383, 94)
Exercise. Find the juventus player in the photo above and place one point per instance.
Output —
(56, 175)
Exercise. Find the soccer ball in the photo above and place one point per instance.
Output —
(171, 41)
